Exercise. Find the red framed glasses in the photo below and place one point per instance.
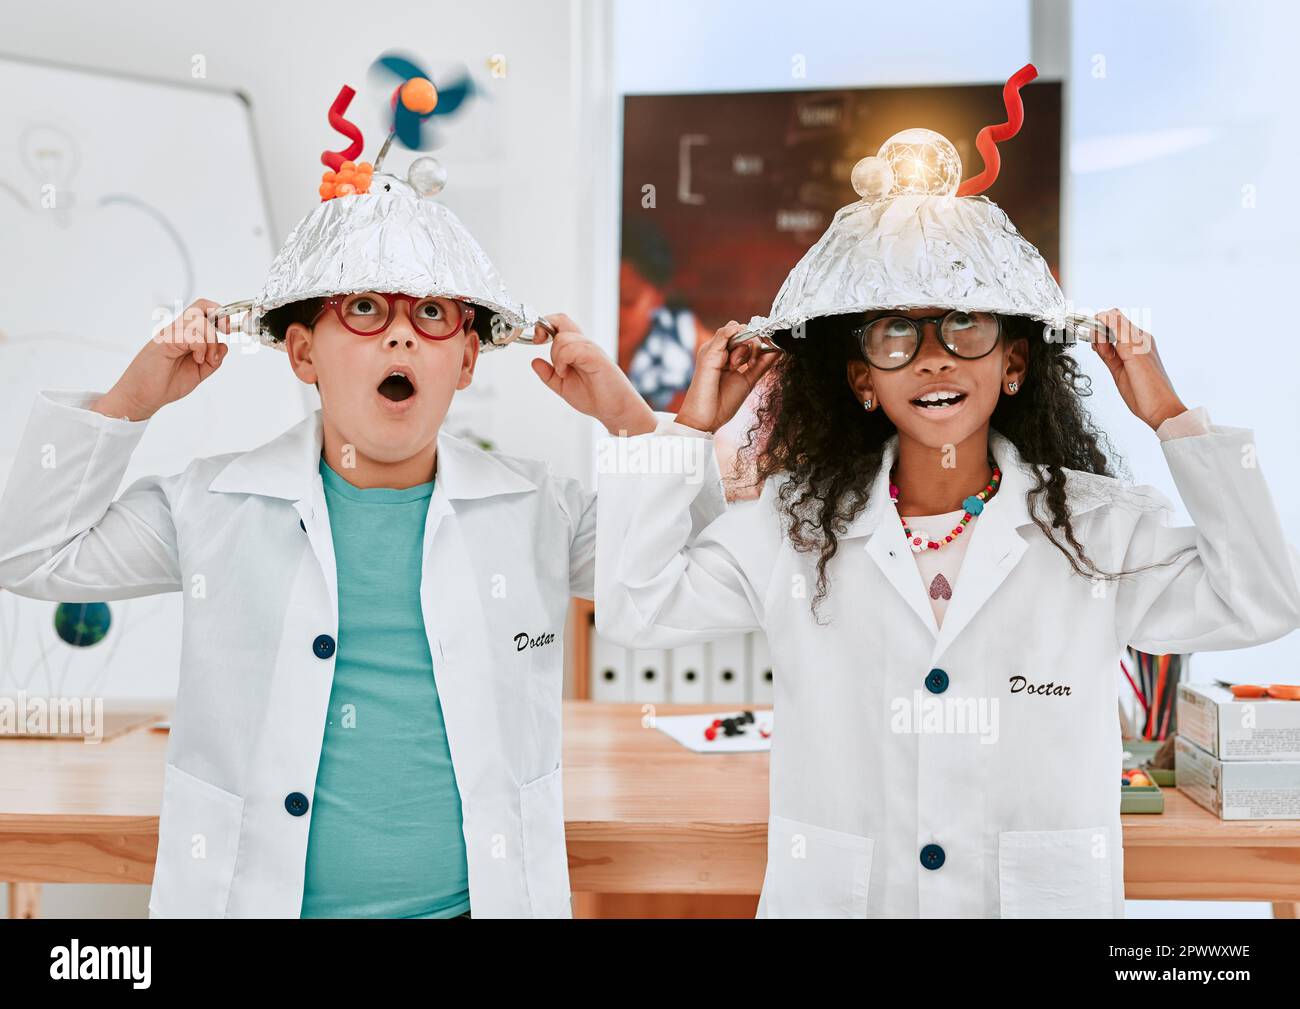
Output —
(372, 312)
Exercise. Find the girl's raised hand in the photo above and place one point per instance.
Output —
(723, 379)
(1139, 375)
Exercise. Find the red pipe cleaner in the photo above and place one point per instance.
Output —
(988, 139)
(333, 159)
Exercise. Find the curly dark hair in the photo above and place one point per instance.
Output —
(807, 417)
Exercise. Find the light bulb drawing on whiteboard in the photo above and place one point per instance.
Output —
(77, 253)
(83, 312)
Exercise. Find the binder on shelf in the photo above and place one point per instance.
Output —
(689, 665)
(727, 675)
(649, 675)
(760, 670)
(610, 670)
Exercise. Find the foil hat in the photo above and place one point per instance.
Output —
(920, 237)
(375, 231)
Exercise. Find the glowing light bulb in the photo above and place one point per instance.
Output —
(922, 161)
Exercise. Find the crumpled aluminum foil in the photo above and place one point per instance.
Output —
(914, 251)
(391, 240)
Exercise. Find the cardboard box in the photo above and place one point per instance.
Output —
(1238, 789)
(1255, 729)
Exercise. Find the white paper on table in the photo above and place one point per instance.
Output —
(689, 731)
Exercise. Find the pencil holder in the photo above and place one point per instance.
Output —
(1155, 679)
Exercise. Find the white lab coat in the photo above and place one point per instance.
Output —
(505, 545)
(1028, 824)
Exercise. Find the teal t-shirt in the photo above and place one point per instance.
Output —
(386, 835)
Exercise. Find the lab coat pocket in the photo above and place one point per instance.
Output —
(198, 839)
(546, 860)
(815, 872)
(1055, 873)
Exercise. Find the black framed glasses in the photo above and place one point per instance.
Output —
(892, 341)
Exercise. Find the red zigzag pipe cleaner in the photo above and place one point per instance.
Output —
(333, 159)
(988, 139)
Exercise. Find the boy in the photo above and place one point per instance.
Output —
(368, 715)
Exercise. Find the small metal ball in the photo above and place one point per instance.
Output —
(872, 178)
(427, 176)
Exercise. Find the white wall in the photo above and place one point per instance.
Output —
(1184, 147)
(517, 166)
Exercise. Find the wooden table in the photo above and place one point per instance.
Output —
(644, 817)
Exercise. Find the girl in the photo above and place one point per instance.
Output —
(946, 742)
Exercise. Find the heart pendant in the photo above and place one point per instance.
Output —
(940, 587)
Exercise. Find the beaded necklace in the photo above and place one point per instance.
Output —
(919, 540)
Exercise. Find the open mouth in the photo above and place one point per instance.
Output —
(396, 387)
(939, 401)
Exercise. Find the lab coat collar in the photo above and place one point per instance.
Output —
(1017, 479)
(993, 549)
(288, 467)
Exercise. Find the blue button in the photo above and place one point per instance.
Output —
(932, 856)
(323, 646)
(937, 681)
(295, 803)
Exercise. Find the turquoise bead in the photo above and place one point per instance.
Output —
(973, 505)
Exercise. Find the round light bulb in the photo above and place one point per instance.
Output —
(922, 161)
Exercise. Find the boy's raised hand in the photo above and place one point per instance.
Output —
(723, 379)
(585, 377)
(170, 366)
(1139, 374)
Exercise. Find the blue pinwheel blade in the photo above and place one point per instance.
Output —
(450, 96)
(399, 65)
(406, 124)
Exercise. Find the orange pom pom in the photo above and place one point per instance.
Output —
(347, 177)
(345, 189)
(419, 95)
(347, 166)
(326, 190)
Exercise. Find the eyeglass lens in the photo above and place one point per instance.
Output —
(368, 313)
(893, 340)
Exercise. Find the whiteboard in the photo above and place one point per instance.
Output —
(123, 199)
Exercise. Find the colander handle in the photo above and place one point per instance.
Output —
(764, 342)
(1078, 327)
(231, 309)
(528, 333)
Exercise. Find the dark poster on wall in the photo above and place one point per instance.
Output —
(724, 192)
